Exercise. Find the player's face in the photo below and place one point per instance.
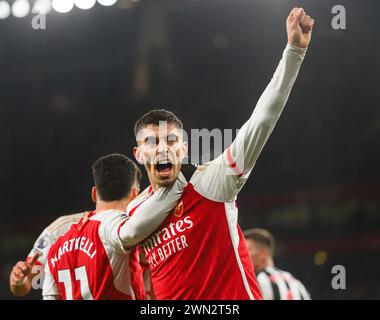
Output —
(257, 255)
(161, 150)
(250, 246)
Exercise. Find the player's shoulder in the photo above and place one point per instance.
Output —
(52, 233)
(63, 222)
(188, 170)
(272, 272)
(263, 273)
(108, 223)
(284, 274)
(66, 228)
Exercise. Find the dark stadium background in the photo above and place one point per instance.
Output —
(71, 93)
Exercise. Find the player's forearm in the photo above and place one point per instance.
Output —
(252, 137)
(151, 213)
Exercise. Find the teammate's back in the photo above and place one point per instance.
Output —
(95, 259)
(86, 263)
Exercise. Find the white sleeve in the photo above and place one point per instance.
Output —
(41, 246)
(151, 213)
(50, 289)
(222, 178)
(50, 235)
(109, 231)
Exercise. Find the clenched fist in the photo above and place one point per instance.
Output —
(299, 27)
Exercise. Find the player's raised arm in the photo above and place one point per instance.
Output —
(246, 148)
(223, 178)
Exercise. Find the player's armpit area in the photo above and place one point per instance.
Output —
(188, 170)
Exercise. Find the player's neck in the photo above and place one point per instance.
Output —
(113, 205)
(154, 186)
(269, 263)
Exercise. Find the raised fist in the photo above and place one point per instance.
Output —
(299, 27)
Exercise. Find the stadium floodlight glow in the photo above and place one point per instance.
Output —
(107, 3)
(5, 9)
(42, 7)
(63, 6)
(20, 8)
(84, 4)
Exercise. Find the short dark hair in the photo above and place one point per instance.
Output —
(154, 117)
(262, 237)
(114, 176)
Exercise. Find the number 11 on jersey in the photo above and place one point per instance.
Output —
(64, 276)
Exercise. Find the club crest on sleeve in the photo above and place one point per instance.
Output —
(42, 243)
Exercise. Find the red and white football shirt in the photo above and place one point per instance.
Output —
(199, 252)
(50, 235)
(90, 262)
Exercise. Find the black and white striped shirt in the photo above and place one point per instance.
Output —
(276, 284)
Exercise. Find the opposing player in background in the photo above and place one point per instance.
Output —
(275, 284)
(199, 252)
(91, 261)
(23, 273)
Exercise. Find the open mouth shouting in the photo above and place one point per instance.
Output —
(164, 168)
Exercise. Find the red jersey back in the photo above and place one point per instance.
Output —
(89, 261)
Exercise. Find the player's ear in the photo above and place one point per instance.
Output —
(138, 156)
(134, 193)
(93, 194)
